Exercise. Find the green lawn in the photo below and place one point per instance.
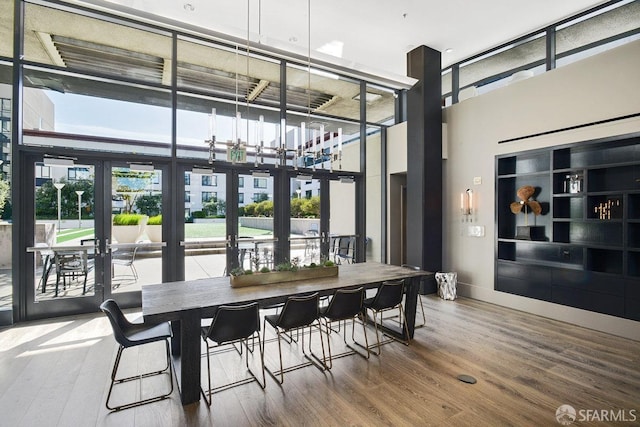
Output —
(73, 233)
(192, 231)
(197, 231)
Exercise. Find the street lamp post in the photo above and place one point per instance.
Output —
(59, 186)
(79, 193)
(299, 191)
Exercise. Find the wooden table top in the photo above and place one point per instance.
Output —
(166, 301)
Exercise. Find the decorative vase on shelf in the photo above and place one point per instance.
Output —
(573, 183)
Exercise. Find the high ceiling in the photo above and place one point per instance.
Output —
(366, 35)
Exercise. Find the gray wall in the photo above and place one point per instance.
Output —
(596, 88)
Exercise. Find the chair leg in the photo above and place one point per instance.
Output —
(402, 319)
(134, 271)
(84, 285)
(424, 318)
(115, 381)
(320, 364)
(352, 351)
(281, 371)
(312, 357)
(245, 342)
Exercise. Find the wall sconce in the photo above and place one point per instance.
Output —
(466, 204)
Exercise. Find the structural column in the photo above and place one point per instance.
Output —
(424, 161)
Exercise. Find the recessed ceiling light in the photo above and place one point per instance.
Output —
(448, 50)
(189, 7)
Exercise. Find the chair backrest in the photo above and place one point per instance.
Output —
(125, 256)
(343, 246)
(119, 323)
(389, 295)
(299, 311)
(86, 242)
(234, 322)
(345, 304)
(346, 247)
(71, 261)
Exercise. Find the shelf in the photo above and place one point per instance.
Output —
(633, 235)
(569, 182)
(524, 164)
(591, 256)
(568, 207)
(540, 253)
(584, 155)
(604, 260)
(633, 264)
(622, 178)
(605, 207)
(595, 233)
(562, 159)
(633, 206)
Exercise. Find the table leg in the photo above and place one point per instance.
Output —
(185, 348)
(175, 338)
(411, 303)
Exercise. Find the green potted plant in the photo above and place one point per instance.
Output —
(284, 272)
(128, 228)
(154, 228)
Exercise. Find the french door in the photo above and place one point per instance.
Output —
(228, 221)
(322, 219)
(77, 256)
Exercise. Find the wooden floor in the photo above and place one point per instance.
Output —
(55, 373)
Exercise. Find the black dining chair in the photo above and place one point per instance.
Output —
(346, 304)
(388, 297)
(297, 313)
(424, 318)
(129, 335)
(233, 324)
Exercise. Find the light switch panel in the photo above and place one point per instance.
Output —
(475, 231)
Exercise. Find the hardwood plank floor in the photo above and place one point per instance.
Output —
(56, 373)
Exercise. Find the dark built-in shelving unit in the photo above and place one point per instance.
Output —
(588, 253)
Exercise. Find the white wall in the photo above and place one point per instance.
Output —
(597, 88)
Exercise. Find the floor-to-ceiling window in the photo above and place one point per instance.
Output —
(167, 128)
(6, 110)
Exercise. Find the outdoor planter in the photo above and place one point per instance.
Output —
(129, 233)
(154, 232)
(154, 228)
(282, 276)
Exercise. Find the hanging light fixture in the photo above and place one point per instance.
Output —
(313, 141)
(212, 136)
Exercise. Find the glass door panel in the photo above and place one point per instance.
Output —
(255, 238)
(342, 220)
(306, 232)
(136, 227)
(205, 224)
(64, 241)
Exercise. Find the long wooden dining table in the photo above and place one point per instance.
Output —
(185, 303)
